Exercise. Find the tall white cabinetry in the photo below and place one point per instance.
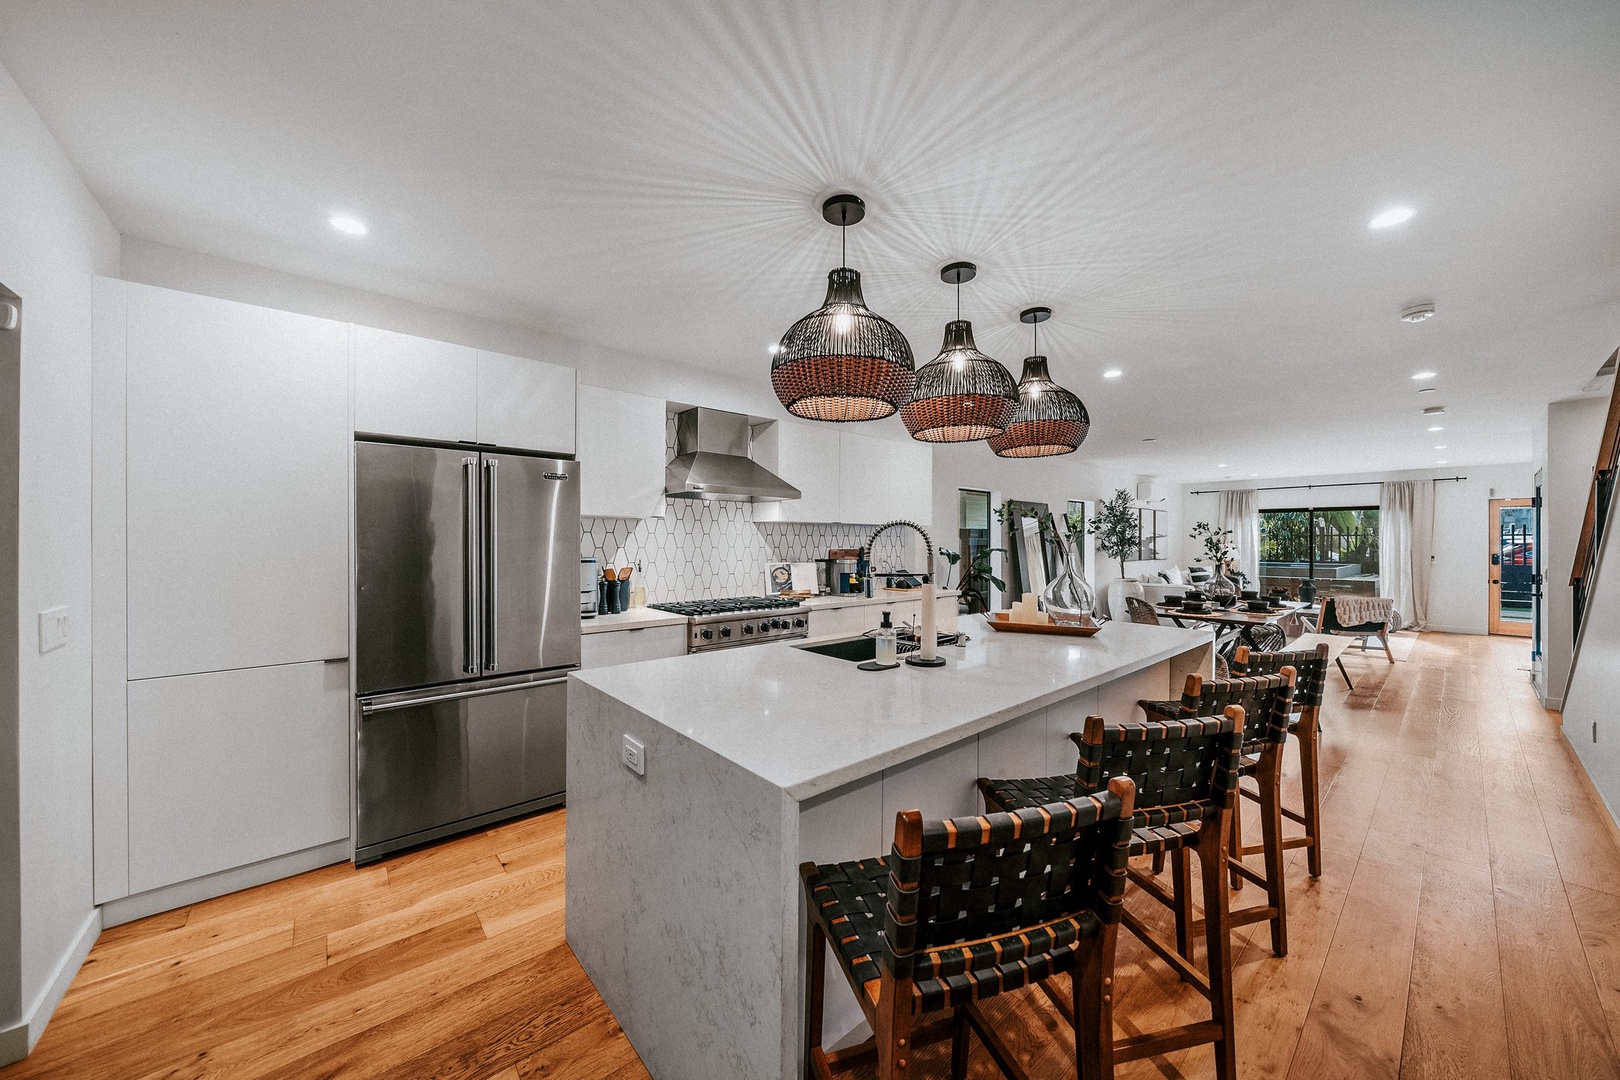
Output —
(220, 538)
(846, 475)
(425, 389)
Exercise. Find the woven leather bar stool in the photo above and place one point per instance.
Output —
(968, 908)
(1310, 682)
(1267, 701)
(1186, 779)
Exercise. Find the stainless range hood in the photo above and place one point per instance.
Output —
(712, 462)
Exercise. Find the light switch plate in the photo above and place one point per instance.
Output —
(53, 629)
(634, 755)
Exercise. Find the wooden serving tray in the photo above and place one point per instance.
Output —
(1001, 620)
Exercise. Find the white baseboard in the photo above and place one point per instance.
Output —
(1556, 704)
(129, 908)
(18, 1042)
(1436, 628)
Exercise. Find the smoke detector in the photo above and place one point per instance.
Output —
(1417, 312)
(1434, 410)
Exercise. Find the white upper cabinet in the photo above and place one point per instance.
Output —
(806, 456)
(528, 404)
(427, 389)
(911, 482)
(621, 454)
(237, 461)
(413, 386)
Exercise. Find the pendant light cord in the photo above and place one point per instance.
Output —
(959, 297)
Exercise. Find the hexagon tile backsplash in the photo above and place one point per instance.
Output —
(704, 549)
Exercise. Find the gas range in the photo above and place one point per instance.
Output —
(743, 620)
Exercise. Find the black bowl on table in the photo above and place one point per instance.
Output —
(1170, 601)
(1259, 607)
(1195, 607)
(1250, 594)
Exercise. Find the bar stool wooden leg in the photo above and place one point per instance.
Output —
(893, 1030)
(1270, 781)
(959, 1046)
(1309, 745)
(1181, 888)
(1234, 842)
(815, 973)
(1218, 941)
(1091, 989)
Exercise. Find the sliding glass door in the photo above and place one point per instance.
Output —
(1334, 547)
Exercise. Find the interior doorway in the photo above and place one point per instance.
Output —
(1513, 566)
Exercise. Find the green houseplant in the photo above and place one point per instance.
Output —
(977, 581)
(1117, 528)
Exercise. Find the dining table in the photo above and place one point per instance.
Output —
(1238, 619)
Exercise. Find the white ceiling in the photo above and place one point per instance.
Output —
(1186, 184)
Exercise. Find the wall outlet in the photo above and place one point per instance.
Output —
(53, 629)
(634, 756)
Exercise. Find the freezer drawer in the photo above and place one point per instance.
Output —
(444, 766)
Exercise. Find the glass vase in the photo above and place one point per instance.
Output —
(1219, 587)
(1069, 597)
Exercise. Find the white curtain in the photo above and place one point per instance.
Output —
(1240, 512)
(1406, 547)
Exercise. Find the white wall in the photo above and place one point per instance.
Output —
(1459, 583)
(53, 239)
(1566, 448)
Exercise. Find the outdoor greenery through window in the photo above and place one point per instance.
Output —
(1337, 548)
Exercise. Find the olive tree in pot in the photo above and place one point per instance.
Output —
(1117, 528)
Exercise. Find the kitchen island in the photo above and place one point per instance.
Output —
(683, 891)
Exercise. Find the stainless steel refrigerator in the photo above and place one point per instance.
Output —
(467, 623)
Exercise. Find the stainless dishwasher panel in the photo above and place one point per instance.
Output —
(433, 764)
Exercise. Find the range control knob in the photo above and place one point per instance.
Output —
(798, 624)
(708, 635)
(725, 631)
(748, 628)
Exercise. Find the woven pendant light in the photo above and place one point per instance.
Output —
(842, 362)
(1050, 420)
(961, 395)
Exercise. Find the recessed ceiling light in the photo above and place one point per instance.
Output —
(1424, 375)
(1222, 465)
(1425, 389)
(1442, 461)
(1437, 429)
(1112, 373)
(1417, 312)
(353, 226)
(1395, 215)
(1442, 446)
(1150, 440)
(1254, 474)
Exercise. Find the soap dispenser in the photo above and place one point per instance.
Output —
(888, 643)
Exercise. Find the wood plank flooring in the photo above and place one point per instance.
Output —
(1467, 924)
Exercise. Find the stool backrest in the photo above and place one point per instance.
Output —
(1141, 611)
(1266, 701)
(971, 879)
(1310, 670)
(1184, 770)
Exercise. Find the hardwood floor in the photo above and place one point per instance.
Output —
(1467, 924)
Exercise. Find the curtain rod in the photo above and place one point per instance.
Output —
(1312, 487)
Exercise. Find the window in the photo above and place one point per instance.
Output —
(1336, 547)
(975, 531)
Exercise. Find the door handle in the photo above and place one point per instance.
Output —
(492, 566)
(470, 578)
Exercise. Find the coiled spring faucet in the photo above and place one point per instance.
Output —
(928, 636)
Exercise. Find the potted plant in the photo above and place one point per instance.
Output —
(1117, 528)
(977, 581)
(1221, 554)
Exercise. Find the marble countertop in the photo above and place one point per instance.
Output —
(807, 723)
(634, 619)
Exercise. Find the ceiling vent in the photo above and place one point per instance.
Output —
(1434, 410)
(1417, 312)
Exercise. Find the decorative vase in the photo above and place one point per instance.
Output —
(1307, 591)
(1219, 587)
(1069, 597)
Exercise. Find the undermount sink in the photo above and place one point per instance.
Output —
(855, 650)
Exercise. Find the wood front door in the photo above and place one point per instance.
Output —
(1513, 563)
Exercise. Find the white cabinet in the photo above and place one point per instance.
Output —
(236, 466)
(863, 483)
(413, 386)
(232, 767)
(806, 456)
(911, 482)
(621, 454)
(629, 646)
(527, 404)
(427, 389)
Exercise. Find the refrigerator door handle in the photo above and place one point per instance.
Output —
(472, 542)
(369, 707)
(492, 567)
